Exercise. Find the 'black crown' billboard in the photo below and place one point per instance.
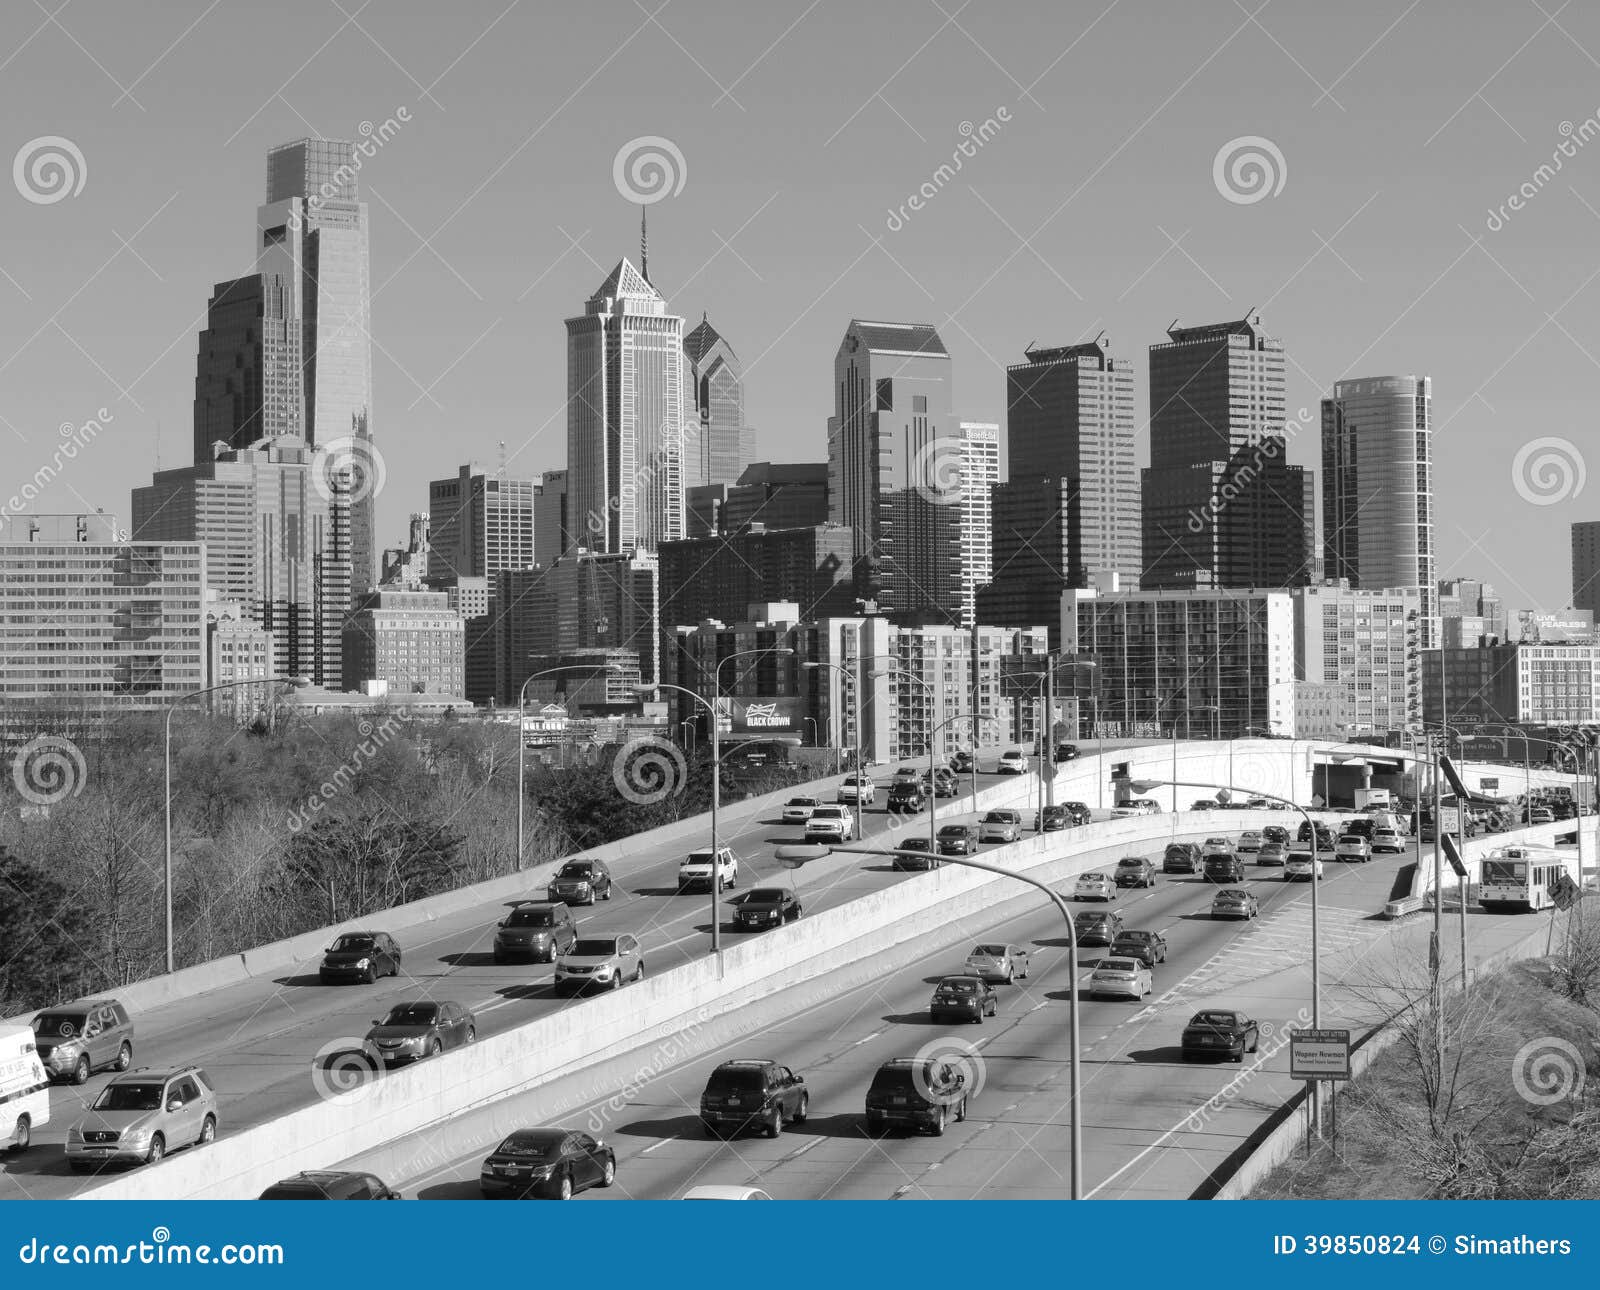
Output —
(764, 716)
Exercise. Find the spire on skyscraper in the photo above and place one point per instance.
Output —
(644, 246)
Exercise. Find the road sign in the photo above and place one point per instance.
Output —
(1564, 891)
(1457, 785)
(1319, 1054)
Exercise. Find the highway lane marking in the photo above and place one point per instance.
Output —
(866, 1040)
(798, 1151)
(663, 1142)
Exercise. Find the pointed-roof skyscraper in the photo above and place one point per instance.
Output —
(717, 441)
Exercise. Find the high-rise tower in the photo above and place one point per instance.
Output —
(249, 373)
(716, 440)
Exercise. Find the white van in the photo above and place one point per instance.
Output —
(24, 1088)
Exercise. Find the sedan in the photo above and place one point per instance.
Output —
(1123, 978)
(797, 810)
(1351, 848)
(1235, 902)
(925, 860)
(1302, 867)
(602, 961)
(1216, 847)
(360, 956)
(1097, 927)
(1220, 1033)
(907, 775)
(1003, 963)
(1012, 763)
(1149, 948)
(1000, 826)
(1275, 833)
(766, 907)
(553, 1163)
(1250, 840)
(581, 882)
(1273, 853)
(1094, 886)
(963, 998)
(421, 1029)
(1051, 819)
(958, 839)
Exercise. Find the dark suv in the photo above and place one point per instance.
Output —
(77, 1039)
(1134, 871)
(1181, 857)
(326, 1184)
(905, 799)
(1224, 869)
(916, 1093)
(753, 1092)
(535, 929)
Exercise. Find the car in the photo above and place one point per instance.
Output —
(360, 956)
(1388, 840)
(831, 824)
(1203, 804)
(1146, 806)
(1181, 857)
(1249, 842)
(1235, 902)
(906, 799)
(752, 1093)
(926, 860)
(1216, 847)
(535, 929)
(77, 1039)
(142, 1115)
(580, 882)
(963, 763)
(421, 1028)
(766, 907)
(1012, 762)
(941, 783)
(1541, 815)
(1051, 819)
(1273, 853)
(1219, 1032)
(1324, 835)
(1353, 848)
(602, 961)
(1149, 948)
(963, 998)
(722, 1191)
(696, 870)
(1066, 752)
(1002, 825)
(1000, 962)
(1134, 871)
(958, 839)
(1096, 926)
(1357, 828)
(1275, 833)
(1094, 886)
(1122, 978)
(857, 790)
(906, 775)
(330, 1184)
(1302, 866)
(797, 810)
(1258, 804)
(916, 1093)
(553, 1163)
(1078, 813)
(1224, 868)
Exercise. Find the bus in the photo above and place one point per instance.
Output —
(1521, 877)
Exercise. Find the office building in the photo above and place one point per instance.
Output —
(312, 234)
(980, 472)
(1546, 685)
(90, 624)
(1320, 711)
(587, 682)
(717, 577)
(1367, 641)
(1470, 613)
(237, 649)
(702, 507)
(716, 443)
(1037, 554)
(473, 599)
(480, 523)
(1586, 566)
(277, 540)
(1206, 664)
(412, 641)
(625, 417)
(777, 495)
(1377, 488)
(249, 381)
(407, 566)
(1069, 415)
(894, 457)
(552, 534)
(1221, 506)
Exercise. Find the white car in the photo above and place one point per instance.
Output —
(1123, 978)
(696, 870)
(1094, 886)
(1147, 806)
(858, 790)
(1000, 826)
(1388, 840)
(1012, 763)
(1216, 847)
(1249, 841)
(722, 1191)
(1302, 867)
(797, 810)
(1353, 847)
(831, 824)
(997, 963)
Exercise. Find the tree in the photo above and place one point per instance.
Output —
(368, 861)
(48, 941)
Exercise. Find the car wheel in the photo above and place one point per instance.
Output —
(208, 1131)
(1255, 1044)
(1008, 976)
(368, 977)
(80, 1072)
(638, 971)
(607, 896)
(616, 981)
(961, 1110)
(124, 1056)
(158, 1149)
(803, 1109)
(23, 1135)
(775, 1122)
(938, 1124)
(608, 1178)
(435, 1048)
(564, 1187)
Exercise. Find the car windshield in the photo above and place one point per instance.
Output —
(595, 947)
(1092, 919)
(128, 1097)
(958, 985)
(58, 1025)
(997, 817)
(737, 1079)
(539, 1147)
(346, 944)
(953, 831)
(531, 918)
(766, 896)
(827, 813)
(991, 951)
(802, 801)
(576, 869)
(1134, 938)
(1117, 965)
(892, 1079)
(1212, 1019)
(413, 1014)
(1229, 897)
(1091, 879)
(1130, 862)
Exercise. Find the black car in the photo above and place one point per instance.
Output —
(328, 1184)
(1275, 833)
(1066, 752)
(927, 860)
(1051, 819)
(1077, 812)
(766, 907)
(552, 1163)
(753, 1093)
(1181, 857)
(905, 799)
(581, 882)
(916, 1093)
(963, 998)
(1097, 927)
(1218, 1032)
(962, 763)
(942, 783)
(535, 929)
(958, 839)
(1149, 948)
(1324, 835)
(1224, 869)
(1134, 871)
(360, 956)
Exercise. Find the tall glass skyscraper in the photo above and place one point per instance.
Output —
(625, 417)
(312, 232)
(717, 443)
(249, 374)
(1377, 488)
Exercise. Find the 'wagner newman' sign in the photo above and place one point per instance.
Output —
(1319, 1054)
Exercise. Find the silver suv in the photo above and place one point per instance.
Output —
(141, 1116)
(600, 962)
(77, 1039)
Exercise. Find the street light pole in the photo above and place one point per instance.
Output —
(522, 699)
(933, 778)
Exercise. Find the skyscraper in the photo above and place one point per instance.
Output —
(894, 461)
(1377, 488)
(1586, 566)
(980, 472)
(480, 523)
(625, 417)
(552, 532)
(312, 233)
(248, 381)
(1221, 505)
(716, 440)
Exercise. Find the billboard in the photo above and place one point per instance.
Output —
(764, 716)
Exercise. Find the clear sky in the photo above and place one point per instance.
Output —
(1092, 202)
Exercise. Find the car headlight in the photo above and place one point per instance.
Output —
(603, 970)
(65, 1050)
(364, 963)
(135, 1137)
